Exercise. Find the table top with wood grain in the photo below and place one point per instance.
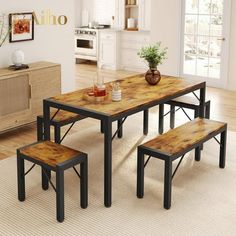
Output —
(136, 92)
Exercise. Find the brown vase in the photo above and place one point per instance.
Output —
(153, 76)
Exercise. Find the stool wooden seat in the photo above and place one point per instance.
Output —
(182, 102)
(175, 144)
(53, 157)
(58, 120)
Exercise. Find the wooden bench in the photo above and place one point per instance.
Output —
(53, 157)
(59, 119)
(175, 144)
(183, 102)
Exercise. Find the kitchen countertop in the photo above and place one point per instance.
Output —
(115, 30)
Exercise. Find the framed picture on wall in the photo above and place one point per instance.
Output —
(21, 27)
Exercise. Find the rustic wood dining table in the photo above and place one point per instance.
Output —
(137, 96)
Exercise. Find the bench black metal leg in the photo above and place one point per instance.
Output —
(39, 128)
(167, 184)
(120, 128)
(223, 139)
(57, 133)
(140, 174)
(161, 118)
(21, 178)
(172, 116)
(45, 178)
(145, 122)
(84, 183)
(60, 194)
(198, 153)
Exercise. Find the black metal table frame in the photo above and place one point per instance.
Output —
(107, 121)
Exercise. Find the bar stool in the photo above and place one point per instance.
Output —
(53, 157)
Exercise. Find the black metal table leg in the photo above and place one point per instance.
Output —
(167, 184)
(21, 177)
(120, 128)
(84, 183)
(140, 174)
(107, 162)
(145, 121)
(46, 123)
(223, 139)
(202, 102)
(60, 194)
(198, 153)
(172, 116)
(102, 127)
(161, 118)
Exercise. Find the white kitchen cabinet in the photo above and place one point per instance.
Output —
(131, 42)
(145, 15)
(109, 44)
(141, 12)
(120, 14)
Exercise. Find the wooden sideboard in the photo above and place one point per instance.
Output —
(22, 92)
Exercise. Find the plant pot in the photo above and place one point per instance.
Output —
(153, 76)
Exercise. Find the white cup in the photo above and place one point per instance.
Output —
(116, 95)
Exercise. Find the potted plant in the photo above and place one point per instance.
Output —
(154, 55)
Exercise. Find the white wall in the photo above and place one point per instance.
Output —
(232, 58)
(165, 27)
(51, 43)
(78, 12)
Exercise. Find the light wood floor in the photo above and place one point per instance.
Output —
(223, 108)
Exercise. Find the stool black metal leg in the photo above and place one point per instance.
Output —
(198, 153)
(45, 178)
(84, 183)
(60, 194)
(223, 139)
(207, 109)
(172, 116)
(57, 133)
(167, 184)
(161, 118)
(39, 128)
(140, 174)
(145, 122)
(21, 177)
(120, 128)
(102, 127)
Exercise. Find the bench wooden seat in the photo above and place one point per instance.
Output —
(49, 153)
(182, 102)
(53, 157)
(60, 119)
(175, 144)
(65, 116)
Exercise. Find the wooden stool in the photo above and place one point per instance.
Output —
(181, 102)
(59, 119)
(53, 157)
(175, 144)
